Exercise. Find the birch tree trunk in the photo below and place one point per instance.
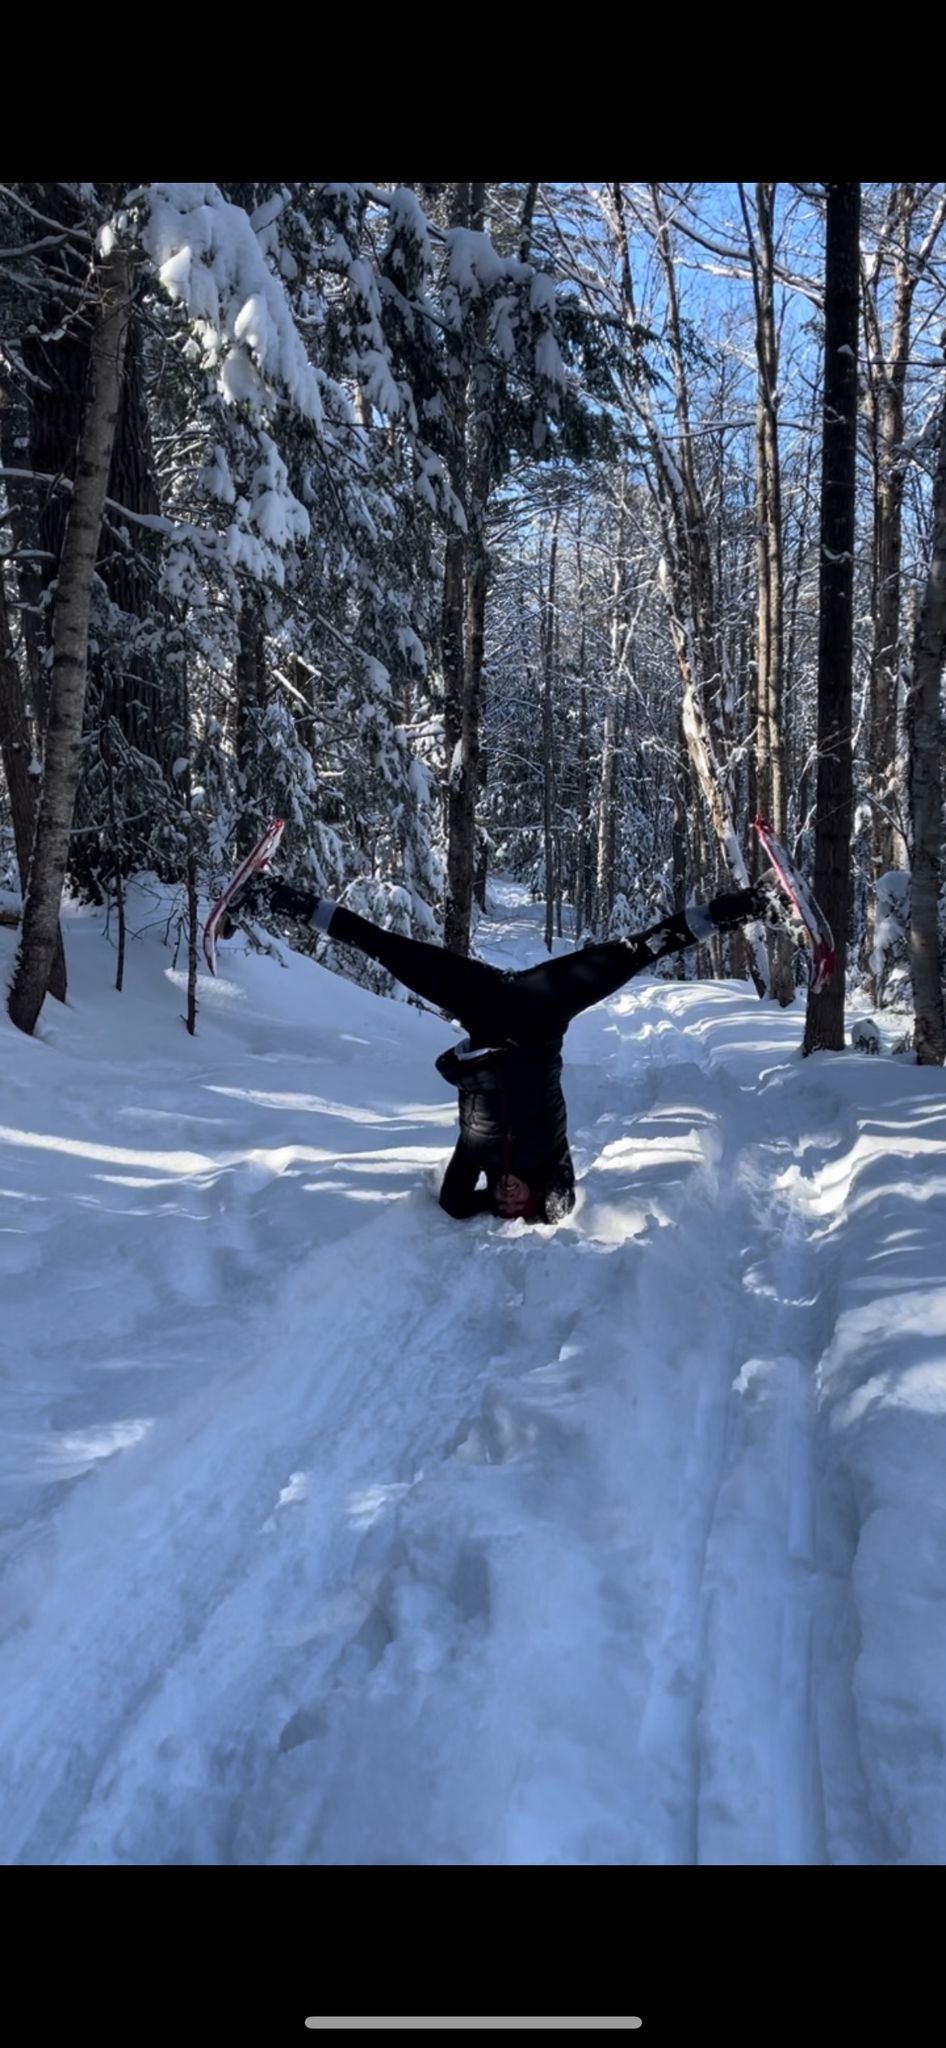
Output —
(924, 718)
(707, 770)
(824, 1023)
(113, 277)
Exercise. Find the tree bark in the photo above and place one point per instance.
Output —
(709, 776)
(604, 851)
(680, 814)
(924, 716)
(770, 629)
(583, 878)
(824, 1023)
(525, 225)
(118, 879)
(127, 680)
(16, 753)
(250, 699)
(548, 746)
(583, 874)
(886, 384)
(465, 767)
(456, 925)
(113, 276)
(604, 836)
(141, 691)
(465, 579)
(21, 496)
(15, 744)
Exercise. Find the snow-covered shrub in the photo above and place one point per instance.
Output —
(891, 928)
(619, 922)
(865, 1036)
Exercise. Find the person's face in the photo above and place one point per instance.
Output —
(512, 1195)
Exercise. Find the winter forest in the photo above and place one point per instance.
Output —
(474, 527)
(516, 544)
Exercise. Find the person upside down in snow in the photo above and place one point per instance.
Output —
(508, 1068)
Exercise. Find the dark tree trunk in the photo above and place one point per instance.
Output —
(192, 894)
(114, 280)
(584, 878)
(250, 699)
(618, 635)
(464, 780)
(548, 744)
(16, 753)
(481, 877)
(464, 611)
(886, 384)
(681, 812)
(126, 682)
(525, 226)
(22, 498)
(824, 1023)
(16, 745)
(118, 879)
(769, 750)
(135, 690)
(456, 924)
(56, 356)
(924, 711)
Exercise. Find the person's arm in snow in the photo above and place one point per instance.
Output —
(459, 1195)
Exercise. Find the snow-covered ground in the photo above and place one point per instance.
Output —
(335, 1531)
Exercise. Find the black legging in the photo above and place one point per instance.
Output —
(535, 1003)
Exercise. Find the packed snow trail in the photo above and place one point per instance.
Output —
(336, 1531)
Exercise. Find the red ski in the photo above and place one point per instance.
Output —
(259, 857)
(815, 924)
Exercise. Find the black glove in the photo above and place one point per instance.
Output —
(759, 905)
(739, 907)
(285, 900)
(264, 896)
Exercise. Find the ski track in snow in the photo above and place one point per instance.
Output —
(334, 1531)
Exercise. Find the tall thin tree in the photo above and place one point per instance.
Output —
(824, 1022)
(112, 279)
(924, 718)
(770, 627)
(548, 738)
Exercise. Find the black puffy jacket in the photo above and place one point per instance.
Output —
(512, 1110)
